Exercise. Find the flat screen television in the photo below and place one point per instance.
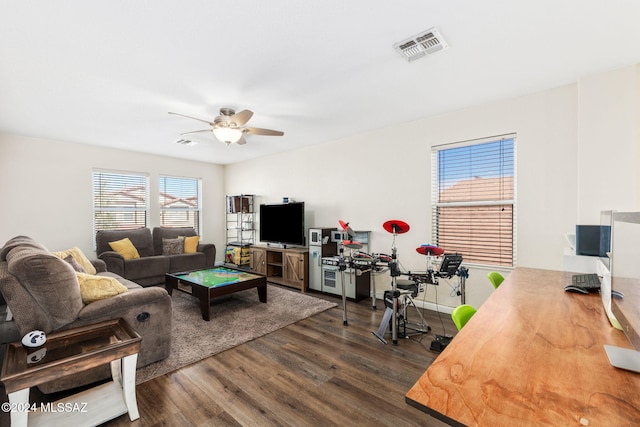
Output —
(282, 224)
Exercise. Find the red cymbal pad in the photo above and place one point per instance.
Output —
(396, 226)
(351, 244)
(430, 250)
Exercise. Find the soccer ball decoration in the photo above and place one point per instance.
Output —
(37, 355)
(34, 339)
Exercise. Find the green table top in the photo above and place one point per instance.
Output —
(214, 277)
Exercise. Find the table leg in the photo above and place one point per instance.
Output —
(129, 385)
(116, 371)
(262, 293)
(19, 401)
(205, 308)
(170, 284)
(202, 293)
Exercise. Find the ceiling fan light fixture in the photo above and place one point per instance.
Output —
(229, 127)
(228, 135)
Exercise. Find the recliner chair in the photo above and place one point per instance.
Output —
(43, 293)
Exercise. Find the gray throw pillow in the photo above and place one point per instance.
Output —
(172, 246)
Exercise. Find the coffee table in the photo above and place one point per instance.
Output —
(215, 282)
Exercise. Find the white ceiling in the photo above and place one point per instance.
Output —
(107, 72)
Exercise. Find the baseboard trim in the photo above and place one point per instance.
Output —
(427, 305)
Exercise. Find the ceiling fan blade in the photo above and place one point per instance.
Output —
(241, 141)
(259, 131)
(197, 131)
(242, 117)
(194, 118)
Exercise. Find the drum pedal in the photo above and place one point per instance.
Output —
(440, 343)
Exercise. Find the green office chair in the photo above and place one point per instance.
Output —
(461, 315)
(495, 278)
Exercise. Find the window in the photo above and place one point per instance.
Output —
(120, 200)
(474, 199)
(180, 202)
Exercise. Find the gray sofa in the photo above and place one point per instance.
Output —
(152, 265)
(43, 293)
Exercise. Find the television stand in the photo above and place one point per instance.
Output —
(282, 265)
(277, 245)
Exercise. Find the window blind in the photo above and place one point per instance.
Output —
(120, 200)
(180, 202)
(473, 198)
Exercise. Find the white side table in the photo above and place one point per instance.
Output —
(69, 352)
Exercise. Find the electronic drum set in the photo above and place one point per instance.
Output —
(402, 293)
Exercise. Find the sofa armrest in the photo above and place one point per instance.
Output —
(209, 250)
(99, 265)
(113, 261)
(146, 310)
(133, 298)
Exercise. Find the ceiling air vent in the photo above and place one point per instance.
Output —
(426, 42)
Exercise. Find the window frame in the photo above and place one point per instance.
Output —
(120, 181)
(196, 211)
(491, 203)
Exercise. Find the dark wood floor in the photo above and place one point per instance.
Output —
(314, 372)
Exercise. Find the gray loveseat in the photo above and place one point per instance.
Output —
(43, 293)
(152, 265)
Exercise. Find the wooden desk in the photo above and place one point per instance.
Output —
(532, 355)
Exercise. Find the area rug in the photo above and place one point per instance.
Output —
(235, 319)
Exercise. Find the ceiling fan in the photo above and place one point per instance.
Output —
(229, 127)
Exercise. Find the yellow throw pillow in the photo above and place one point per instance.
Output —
(125, 248)
(80, 258)
(94, 288)
(191, 244)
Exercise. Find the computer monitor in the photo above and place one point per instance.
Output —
(604, 270)
(593, 240)
(625, 287)
(606, 220)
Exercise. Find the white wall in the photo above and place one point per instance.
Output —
(578, 152)
(371, 178)
(46, 190)
(609, 150)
